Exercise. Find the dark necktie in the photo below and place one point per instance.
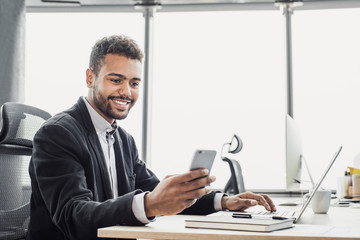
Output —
(108, 138)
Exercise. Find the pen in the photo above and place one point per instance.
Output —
(246, 215)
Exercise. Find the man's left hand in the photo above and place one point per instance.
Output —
(243, 201)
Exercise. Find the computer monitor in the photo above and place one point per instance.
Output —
(293, 154)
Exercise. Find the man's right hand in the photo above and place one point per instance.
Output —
(177, 192)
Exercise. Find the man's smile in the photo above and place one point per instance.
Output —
(121, 103)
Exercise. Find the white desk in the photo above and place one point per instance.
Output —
(338, 223)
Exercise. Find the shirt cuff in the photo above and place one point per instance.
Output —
(217, 201)
(138, 208)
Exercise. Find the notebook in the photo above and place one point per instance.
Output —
(295, 215)
(227, 222)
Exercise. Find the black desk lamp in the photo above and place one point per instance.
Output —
(235, 184)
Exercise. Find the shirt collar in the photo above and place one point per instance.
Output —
(100, 124)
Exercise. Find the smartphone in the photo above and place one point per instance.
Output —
(203, 159)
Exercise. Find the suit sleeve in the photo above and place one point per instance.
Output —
(59, 158)
(146, 180)
(203, 206)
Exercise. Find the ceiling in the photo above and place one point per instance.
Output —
(180, 5)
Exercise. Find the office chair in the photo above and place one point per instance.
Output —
(235, 184)
(18, 125)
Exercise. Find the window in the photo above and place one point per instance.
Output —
(216, 74)
(326, 87)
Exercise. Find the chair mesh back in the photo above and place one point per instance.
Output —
(18, 125)
(15, 192)
(14, 178)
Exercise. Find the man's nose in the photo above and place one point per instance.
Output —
(125, 89)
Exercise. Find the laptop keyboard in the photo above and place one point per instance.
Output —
(281, 213)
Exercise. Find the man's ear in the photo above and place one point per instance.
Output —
(89, 78)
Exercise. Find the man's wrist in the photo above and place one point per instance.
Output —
(148, 209)
(224, 202)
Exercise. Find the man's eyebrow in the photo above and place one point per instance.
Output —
(117, 75)
(122, 76)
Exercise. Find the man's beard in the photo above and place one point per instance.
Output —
(105, 107)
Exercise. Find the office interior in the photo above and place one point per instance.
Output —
(212, 69)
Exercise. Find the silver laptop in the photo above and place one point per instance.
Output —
(297, 214)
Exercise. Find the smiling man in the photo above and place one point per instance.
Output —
(85, 170)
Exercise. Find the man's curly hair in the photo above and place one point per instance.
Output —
(116, 44)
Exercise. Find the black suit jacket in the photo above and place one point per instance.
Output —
(71, 193)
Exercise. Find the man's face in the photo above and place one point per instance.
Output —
(116, 88)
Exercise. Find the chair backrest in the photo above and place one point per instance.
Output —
(235, 183)
(18, 125)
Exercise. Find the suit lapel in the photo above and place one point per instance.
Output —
(83, 116)
(124, 174)
(96, 147)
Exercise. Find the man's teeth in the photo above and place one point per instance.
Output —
(120, 102)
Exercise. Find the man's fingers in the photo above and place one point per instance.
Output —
(262, 199)
(199, 192)
(194, 174)
(195, 184)
(265, 201)
(270, 202)
(192, 180)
